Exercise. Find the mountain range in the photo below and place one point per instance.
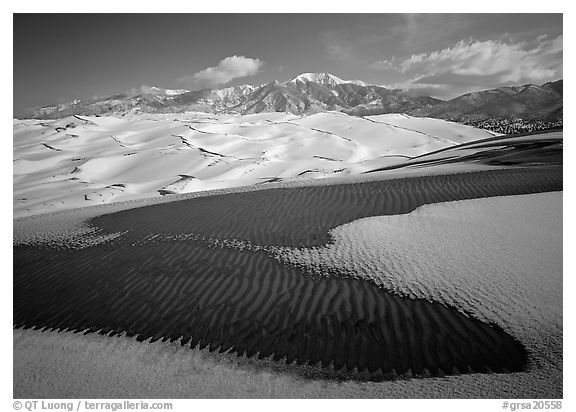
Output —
(318, 92)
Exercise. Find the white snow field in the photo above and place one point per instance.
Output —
(81, 161)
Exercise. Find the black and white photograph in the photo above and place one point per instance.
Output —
(286, 205)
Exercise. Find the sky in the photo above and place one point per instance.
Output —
(62, 57)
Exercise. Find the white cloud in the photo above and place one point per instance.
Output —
(384, 64)
(144, 89)
(230, 68)
(469, 61)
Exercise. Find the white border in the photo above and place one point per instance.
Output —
(229, 6)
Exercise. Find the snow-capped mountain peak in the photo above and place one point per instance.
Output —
(324, 79)
(320, 78)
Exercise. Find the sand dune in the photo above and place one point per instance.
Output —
(209, 271)
(92, 366)
(252, 272)
(440, 129)
(80, 161)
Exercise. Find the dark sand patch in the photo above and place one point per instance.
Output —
(248, 302)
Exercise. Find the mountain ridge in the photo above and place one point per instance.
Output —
(310, 93)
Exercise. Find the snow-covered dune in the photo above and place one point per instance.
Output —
(79, 161)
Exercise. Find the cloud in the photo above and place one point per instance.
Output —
(389, 64)
(144, 89)
(230, 68)
(471, 64)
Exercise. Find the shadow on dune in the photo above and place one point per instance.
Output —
(541, 149)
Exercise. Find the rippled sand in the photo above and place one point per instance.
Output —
(254, 219)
